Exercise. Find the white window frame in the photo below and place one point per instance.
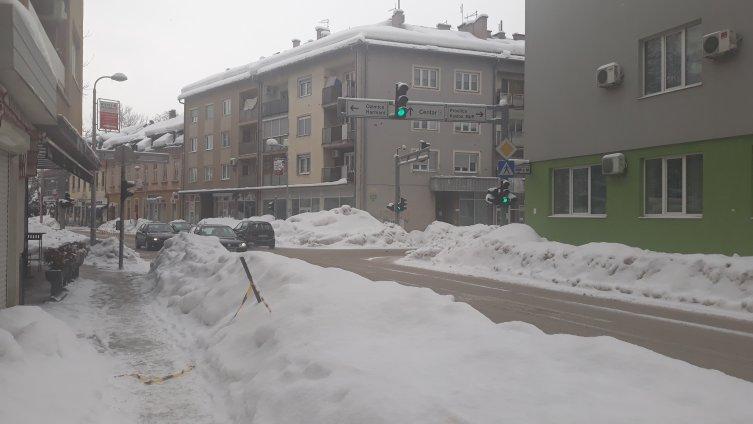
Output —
(225, 172)
(305, 86)
(307, 158)
(193, 175)
(194, 144)
(225, 139)
(570, 190)
(418, 126)
(208, 173)
(469, 73)
(682, 30)
(664, 213)
(227, 107)
(194, 113)
(457, 128)
(298, 126)
(478, 161)
(425, 84)
(425, 166)
(209, 142)
(207, 108)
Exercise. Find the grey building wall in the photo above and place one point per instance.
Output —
(384, 68)
(567, 115)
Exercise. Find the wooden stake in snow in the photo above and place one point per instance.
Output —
(251, 288)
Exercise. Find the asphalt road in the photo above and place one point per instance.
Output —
(707, 341)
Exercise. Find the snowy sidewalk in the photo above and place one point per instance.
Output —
(115, 311)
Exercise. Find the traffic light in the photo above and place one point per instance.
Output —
(505, 196)
(271, 205)
(124, 189)
(492, 196)
(401, 100)
(423, 145)
(391, 206)
(402, 205)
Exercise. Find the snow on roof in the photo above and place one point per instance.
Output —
(169, 125)
(141, 134)
(407, 36)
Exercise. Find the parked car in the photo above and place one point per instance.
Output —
(181, 226)
(152, 235)
(227, 236)
(256, 233)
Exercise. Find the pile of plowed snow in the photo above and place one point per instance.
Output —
(105, 254)
(516, 253)
(340, 348)
(53, 236)
(130, 225)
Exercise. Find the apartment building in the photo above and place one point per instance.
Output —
(679, 117)
(40, 116)
(157, 184)
(290, 151)
(80, 193)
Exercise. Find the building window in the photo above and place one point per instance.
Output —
(304, 126)
(194, 115)
(426, 77)
(209, 142)
(245, 170)
(304, 86)
(209, 112)
(304, 164)
(579, 191)
(467, 81)
(466, 127)
(425, 125)
(176, 172)
(208, 171)
(227, 107)
(225, 138)
(225, 172)
(274, 128)
(193, 174)
(430, 165)
(674, 186)
(74, 60)
(194, 144)
(156, 172)
(466, 162)
(672, 60)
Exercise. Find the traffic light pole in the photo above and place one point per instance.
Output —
(397, 188)
(122, 208)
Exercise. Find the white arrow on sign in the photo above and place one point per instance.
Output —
(367, 108)
(466, 113)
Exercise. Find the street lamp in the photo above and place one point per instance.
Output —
(119, 77)
(271, 142)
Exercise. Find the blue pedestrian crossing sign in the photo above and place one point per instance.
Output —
(506, 168)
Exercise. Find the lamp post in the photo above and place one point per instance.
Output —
(271, 142)
(119, 77)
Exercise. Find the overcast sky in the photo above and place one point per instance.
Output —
(162, 45)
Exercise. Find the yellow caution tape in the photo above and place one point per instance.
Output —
(158, 380)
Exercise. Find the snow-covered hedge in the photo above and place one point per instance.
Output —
(340, 348)
(516, 253)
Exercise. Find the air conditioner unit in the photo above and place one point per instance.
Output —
(719, 43)
(233, 161)
(609, 75)
(335, 153)
(52, 11)
(613, 164)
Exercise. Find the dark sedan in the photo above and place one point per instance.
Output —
(153, 235)
(180, 226)
(256, 233)
(227, 236)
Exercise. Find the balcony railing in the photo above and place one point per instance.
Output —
(282, 147)
(516, 101)
(274, 107)
(274, 180)
(248, 115)
(330, 95)
(339, 134)
(336, 173)
(248, 148)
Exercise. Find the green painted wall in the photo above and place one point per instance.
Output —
(726, 226)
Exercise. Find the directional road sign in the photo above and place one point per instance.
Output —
(367, 108)
(419, 111)
(469, 113)
(423, 111)
(506, 168)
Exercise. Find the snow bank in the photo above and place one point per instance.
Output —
(340, 348)
(130, 225)
(53, 237)
(48, 375)
(343, 227)
(104, 255)
(516, 253)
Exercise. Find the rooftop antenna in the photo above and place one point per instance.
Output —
(474, 15)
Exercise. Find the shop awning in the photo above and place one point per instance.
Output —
(64, 148)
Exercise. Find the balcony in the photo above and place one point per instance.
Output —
(274, 107)
(515, 101)
(336, 173)
(248, 115)
(330, 95)
(274, 180)
(283, 140)
(338, 136)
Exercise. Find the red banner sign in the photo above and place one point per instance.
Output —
(109, 114)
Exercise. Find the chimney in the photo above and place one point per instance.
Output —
(518, 36)
(171, 113)
(501, 34)
(477, 27)
(444, 26)
(321, 32)
(398, 18)
(296, 42)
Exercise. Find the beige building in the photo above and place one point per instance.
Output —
(40, 116)
(284, 126)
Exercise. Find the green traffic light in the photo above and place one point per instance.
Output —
(505, 200)
(401, 112)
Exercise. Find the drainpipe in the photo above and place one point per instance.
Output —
(259, 146)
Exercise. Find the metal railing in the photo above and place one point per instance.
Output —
(338, 134)
(282, 140)
(336, 173)
(274, 107)
(516, 101)
(248, 115)
(330, 94)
